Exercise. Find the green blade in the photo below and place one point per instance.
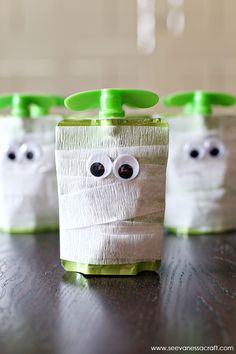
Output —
(110, 101)
(199, 102)
(29, 104)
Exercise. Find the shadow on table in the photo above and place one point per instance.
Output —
(111, 311)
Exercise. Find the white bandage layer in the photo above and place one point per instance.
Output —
(111, 220)
(28, 185)
(201, 174)
(115, 243)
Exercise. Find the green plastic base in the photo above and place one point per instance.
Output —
(24, 230)
(184, 231)
(110, 269)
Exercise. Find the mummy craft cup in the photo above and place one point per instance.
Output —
(28, 186)
(201, 171)
(111, 179)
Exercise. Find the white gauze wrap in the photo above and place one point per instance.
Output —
(201, 193)
(28, 188)
(111, 221)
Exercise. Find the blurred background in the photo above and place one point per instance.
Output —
(164, 45)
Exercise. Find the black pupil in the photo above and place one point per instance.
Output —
(194, 154)
(29, 155)
(214, 151)
(97, 169)
(11, 155)
(125, 171)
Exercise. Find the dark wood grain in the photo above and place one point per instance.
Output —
(45, 310)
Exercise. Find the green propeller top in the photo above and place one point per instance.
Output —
(199, 102)
(30, 105)
(110, 101)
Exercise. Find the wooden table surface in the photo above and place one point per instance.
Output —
(45, 310)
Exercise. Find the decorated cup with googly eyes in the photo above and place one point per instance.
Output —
(200, 191)
(28, 186)
(111, 172)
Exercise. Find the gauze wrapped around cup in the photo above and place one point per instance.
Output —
(28, 186)
(201, 174)
(111, 221)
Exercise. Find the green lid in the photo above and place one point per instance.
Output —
(110, 101)
(199, 102)
(30, 105)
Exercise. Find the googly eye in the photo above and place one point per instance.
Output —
(99, 165)
(30, 151)
(126, 167)
(12, 153)
(215, 147)
(194, 151)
